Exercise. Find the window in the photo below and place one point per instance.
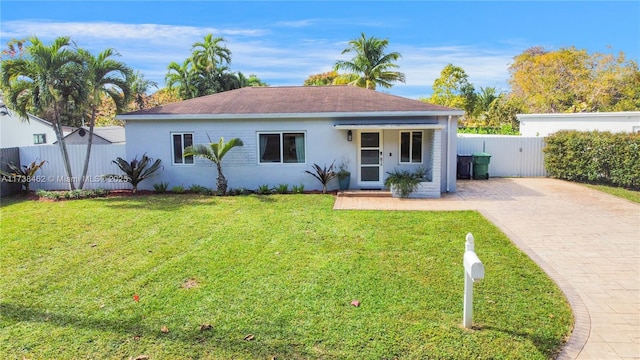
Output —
(180, 142)
(39, 138)
(410, 147)
(281, 147)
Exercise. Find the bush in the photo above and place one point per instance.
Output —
(178, 189)
(282, 189)
(298, 189)
(199, 189)
(594, 157)
(405, 182)
(264, 190)
(73, 194)
(161, 188)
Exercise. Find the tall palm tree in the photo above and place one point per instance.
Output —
(215, 152)
(103, 76)
(370, 66)
(210, 55)
(183, 77)
(46, 76)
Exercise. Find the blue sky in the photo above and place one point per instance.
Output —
(285, 42)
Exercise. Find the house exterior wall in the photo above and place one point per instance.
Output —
(75, 138)
(16, 132)
(545, 124)
(324, 144)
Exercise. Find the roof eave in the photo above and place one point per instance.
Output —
(258, 116)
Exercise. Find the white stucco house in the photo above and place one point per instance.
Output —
(102, 135)
(545, 124)
(285, 130)
(18, 132)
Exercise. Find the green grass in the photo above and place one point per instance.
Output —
(630, 195)
(282, 268)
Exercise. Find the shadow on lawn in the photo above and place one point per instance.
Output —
(166, 202)
(546, 345)
(200, 341)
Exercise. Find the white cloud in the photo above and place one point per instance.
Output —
(151, 47)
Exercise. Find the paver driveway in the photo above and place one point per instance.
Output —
(586, 240)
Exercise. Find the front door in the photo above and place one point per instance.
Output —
(370, 159)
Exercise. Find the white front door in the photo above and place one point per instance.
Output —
(370, 159)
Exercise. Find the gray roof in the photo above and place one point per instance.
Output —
(292, 100)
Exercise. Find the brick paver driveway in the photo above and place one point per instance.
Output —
(587, 241)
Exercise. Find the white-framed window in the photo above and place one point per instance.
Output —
(281, 147)
(411, 147)
(179, 142)
(39, 139)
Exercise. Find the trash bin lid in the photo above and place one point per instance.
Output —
(481, 154)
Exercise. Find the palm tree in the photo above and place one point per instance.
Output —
(103, 76)
(139, 88)
(370, 66)
(215, 152)
(184, 77)
(45, 77)
(210, 55)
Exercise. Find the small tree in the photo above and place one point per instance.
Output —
(215, 152)
(135, 171)
(323, 174)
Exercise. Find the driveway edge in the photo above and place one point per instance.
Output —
(582, 319)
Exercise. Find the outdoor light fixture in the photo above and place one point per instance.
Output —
(349, 135)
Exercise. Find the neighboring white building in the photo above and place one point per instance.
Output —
(18, 132)
(286, 130)
(545, 124)
(101, 135)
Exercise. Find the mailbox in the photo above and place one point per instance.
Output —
(473, 271)
(473, 266)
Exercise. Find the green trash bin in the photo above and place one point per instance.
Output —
(481, 165)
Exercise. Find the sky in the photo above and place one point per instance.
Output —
(283, 42)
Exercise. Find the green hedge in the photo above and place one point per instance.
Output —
(594, 157)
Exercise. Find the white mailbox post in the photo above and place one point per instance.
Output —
(473, 271)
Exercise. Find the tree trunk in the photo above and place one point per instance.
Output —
(221, 183)
(57, 126)
(92, 123)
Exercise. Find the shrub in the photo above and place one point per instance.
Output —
(178, 189)
(264, 190)
(73, 194)
(297, 189)
(22, 175)
(594, 157)
(198, 189)
(282, 189)
(135, 171)
(323, 174)
(161, 188)
(404, 181)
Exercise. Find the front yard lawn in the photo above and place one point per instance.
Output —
(262, 277)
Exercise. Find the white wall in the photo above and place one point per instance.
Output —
(240, 165)
(545, 124)
(16, 132)
(324, 144)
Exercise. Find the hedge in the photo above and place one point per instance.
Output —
(594, 157)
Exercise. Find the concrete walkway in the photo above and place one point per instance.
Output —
(587, 241)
